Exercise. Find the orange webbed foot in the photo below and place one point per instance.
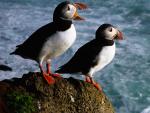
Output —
(97, 86)
(50, 80)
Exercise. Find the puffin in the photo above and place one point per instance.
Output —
(52, 39)
(94, 55)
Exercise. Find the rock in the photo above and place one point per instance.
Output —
(31, 94)
(5, 68)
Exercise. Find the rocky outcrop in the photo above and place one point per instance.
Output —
(31, 94)
(5, 68)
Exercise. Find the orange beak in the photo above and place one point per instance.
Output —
(119, 36)
(80, 6)
(77, 16)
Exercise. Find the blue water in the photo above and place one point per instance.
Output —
(126, 80)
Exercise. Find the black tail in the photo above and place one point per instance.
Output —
(18, 51)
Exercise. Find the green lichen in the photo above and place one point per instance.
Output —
(20, 102)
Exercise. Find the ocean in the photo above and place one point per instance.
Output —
(126, 80)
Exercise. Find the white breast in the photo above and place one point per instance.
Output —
(58, 43)
(105, 57)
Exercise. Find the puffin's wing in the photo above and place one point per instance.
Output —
(84, 58)
(31, 47)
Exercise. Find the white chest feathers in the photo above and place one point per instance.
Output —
(104, 58)
(58, 43)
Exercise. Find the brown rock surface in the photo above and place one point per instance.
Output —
(67, 95)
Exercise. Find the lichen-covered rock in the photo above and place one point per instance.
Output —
(31, 94)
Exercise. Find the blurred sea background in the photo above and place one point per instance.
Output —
(126, 81)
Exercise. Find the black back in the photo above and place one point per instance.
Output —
(85, 57)
(32, 46)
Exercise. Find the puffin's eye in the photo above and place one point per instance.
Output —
(110, 29)
(68, 8)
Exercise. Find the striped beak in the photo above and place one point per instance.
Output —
(80, 6)
(119, 36)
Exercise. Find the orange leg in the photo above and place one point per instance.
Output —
(90, 80)
(48, 68)
(96, 85)
(49, 71)
(49, 79)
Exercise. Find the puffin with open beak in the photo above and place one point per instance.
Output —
(53, 39)
(94, 55)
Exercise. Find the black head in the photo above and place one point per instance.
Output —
(108, 32)
(66, 11)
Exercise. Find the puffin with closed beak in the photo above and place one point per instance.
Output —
(94, 55)
(53, 39)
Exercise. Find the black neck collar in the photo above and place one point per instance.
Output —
(62, 24)
(105, 42)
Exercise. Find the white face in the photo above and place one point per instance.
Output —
(70, 11)
(110, 33)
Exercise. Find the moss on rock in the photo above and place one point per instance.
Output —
(20, 102)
